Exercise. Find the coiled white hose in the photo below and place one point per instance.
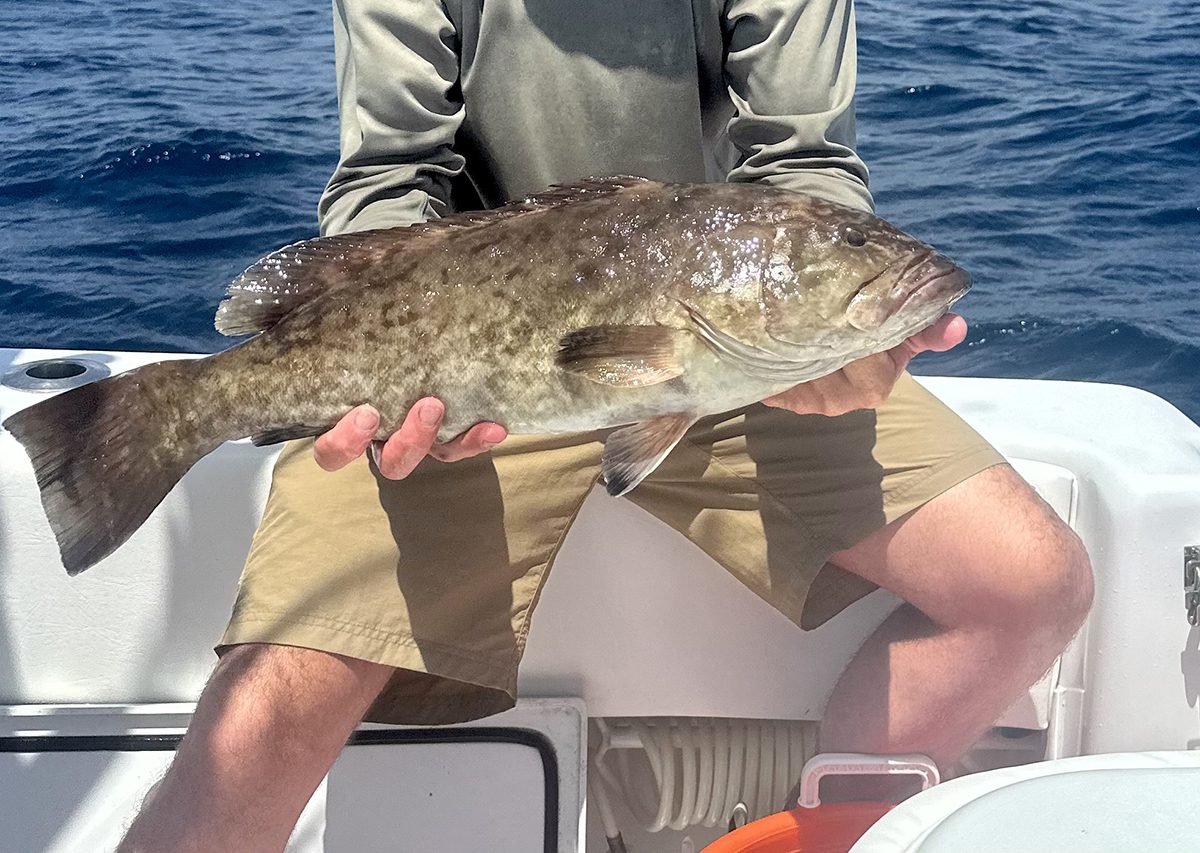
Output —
(699, 769)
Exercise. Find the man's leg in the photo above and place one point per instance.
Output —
(998, 586)
(269, 724)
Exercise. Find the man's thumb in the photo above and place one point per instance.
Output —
(946, 333)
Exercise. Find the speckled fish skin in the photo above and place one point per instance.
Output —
(475, 315)
(615, 301)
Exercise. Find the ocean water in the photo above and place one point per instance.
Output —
(150, 150)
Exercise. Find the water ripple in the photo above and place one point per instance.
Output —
(176, 157)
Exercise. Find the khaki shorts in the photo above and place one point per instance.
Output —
(439, 573)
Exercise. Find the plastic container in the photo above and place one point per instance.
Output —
(814, 827)
(831, 828)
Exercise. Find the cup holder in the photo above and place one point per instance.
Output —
(54, 374)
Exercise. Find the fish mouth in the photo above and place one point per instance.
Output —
(920, 286)
(931, 281)
(946, 283)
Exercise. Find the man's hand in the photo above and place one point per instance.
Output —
(866, 383)
(407, 446)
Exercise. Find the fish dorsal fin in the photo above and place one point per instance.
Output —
(287, 278)
(579, 190)
(553, 196)
(633, 452)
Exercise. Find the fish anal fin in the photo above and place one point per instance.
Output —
(624, 356)
(287, 433)
(633, 452)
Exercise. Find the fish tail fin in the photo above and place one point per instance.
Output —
(106, 454)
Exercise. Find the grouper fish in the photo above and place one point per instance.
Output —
(612, 302)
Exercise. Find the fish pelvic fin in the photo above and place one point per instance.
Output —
(623, 356)
(632, 453)
(105, 455)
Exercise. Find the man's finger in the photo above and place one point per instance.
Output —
(407, 446)
(348, 438)
(478, 439)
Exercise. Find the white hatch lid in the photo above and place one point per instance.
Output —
(1092, 804)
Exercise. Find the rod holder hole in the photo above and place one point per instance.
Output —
(56, 369)
(54, 374)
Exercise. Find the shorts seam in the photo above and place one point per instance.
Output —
(360, 629)
(893, 498)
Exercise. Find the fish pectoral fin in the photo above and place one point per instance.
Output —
(633, 452)
(624, 356)
(287, 433)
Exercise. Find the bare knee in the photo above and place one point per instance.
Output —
(1076, 586)
(1048, 586)
(265, 667)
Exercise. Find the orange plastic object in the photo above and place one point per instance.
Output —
(827, 828)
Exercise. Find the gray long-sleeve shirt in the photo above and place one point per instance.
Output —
(508, 96)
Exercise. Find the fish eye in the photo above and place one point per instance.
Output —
(855, 237)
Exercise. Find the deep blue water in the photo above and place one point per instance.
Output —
(150, 150)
